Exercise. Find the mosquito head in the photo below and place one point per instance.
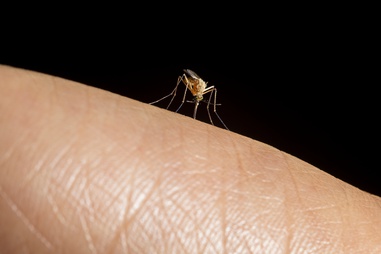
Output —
(198, 98)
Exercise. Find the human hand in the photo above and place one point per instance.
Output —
(87, 171)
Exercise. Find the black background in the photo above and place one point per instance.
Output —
(306, 90)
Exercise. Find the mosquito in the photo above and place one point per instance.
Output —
(198, 88)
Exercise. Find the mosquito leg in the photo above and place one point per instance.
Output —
(195, 109)
(179, 79)
(173, 93)
(207, 107)
(215, 110)
(185, 93)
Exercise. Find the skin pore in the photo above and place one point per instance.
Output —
(83, 170)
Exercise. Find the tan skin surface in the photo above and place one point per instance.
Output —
(86, 171)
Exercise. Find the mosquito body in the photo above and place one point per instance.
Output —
(198, 88)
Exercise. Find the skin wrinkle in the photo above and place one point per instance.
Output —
(29, 225)
(57, 158)
(89, 204)
(224, 207)
(89, 239)
(192, 232)
(142, 196)
(102, 179)
(232, 187)
(118, 204)
(311, 211)
(60, 153)
(90, 175)
(60, 192)
(32, 101)
(154, 236)
(155, 231)
(229, 241)
(192, 158)
(201, 238)
(37, 169)
(11, 148)
(275, 167)
(79, 194)
(167, 216)
(170, 228)
(69, 186)
(55, 209)
(167, 188)
(135, 195)
(278, 202)
(120, 232)
(27, 181)
(99, 215)
(290, 221)
(98, 191)
(123, 242)
(188, 222)
(32, 174)
(170, 206)
(53, 159)
(210, 228)
(94, 215)
(139, 196)
(196, 222)
(71, 145)
(187, 157)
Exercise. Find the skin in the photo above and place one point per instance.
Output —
(86, 171)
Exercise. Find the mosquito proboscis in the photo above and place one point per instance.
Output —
(198, 88)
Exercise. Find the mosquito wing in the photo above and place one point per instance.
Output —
(191, 74)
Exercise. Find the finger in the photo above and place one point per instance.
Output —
(83, 170)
